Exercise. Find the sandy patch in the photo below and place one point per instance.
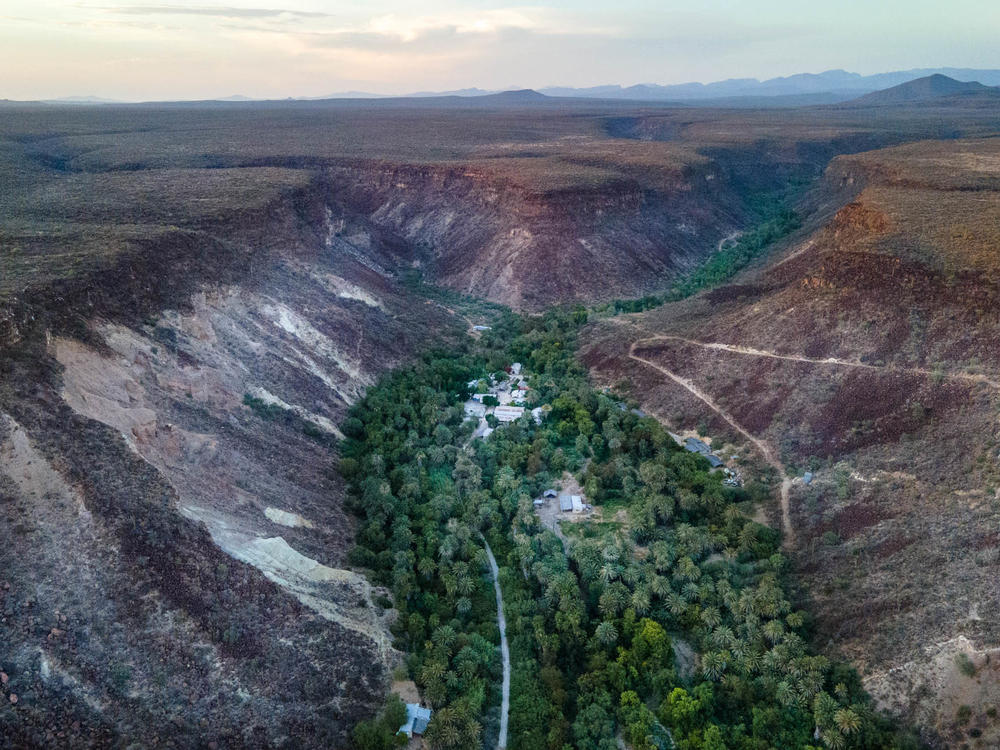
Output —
(285, 518)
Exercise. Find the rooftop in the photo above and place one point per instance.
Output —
(417, 718)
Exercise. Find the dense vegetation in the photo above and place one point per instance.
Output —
(671, 628)
(722, 265)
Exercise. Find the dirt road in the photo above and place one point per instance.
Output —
(747, 351)
(830, 361)
(764, 448)
(504, 650)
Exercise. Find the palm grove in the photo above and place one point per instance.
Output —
(592, 626)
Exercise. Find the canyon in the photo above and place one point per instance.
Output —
(192, 298)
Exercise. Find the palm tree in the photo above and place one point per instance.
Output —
(632, 574)
(610, 571)
(691, 591)
(640, 601)
(847, 721)
(663, 556)
(614, 599)
(711, 617)
(443, 729)
(464, 585)
(750, 663)
(841, 690)
(745, 605)
(747, 536)
(659, 586)
(426, 567)
(774, 630)
(785, 694)
(432, 671)
(444, 637)
(677, 604)
(713, 665)
(606, 633)
(723, 637)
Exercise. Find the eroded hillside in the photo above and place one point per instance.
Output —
(866, 354)
(191, 298)
(521, 206)
(173, 533)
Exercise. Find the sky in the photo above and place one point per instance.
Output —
(188, 49)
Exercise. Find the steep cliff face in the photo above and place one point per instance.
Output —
(865, 353)
(486, 230)
(172, 533)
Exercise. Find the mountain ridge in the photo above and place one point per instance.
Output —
(838, 83)
(936, 86)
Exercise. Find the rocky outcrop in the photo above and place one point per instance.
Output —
(489, 233)
(168, 448)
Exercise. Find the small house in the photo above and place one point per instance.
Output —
(480, 328)
(550, 493)
(538, 502)
(694, 445)
(515, 369)
(577, 503)
(417, 719)
(508, 413)
(565, 503)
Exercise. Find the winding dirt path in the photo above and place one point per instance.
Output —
(762, 447)
(830, 361)
(504, 650)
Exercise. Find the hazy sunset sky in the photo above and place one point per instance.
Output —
(277, 48)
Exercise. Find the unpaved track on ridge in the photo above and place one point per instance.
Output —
(830, 361)
(504, 650)
(764, 448)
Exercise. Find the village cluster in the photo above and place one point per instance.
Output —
(501, 396)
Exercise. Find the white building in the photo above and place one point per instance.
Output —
(515, 369)
(577, 502)
(508, 413)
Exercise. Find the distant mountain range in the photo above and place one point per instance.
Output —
(930, 88)
(830, 87)
(833, 84)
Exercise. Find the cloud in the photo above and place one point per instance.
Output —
(218, 12)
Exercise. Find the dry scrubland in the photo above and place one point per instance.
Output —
(894, 300)
(192, 296)
(629, 195)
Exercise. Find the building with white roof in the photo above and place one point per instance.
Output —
(508, 413)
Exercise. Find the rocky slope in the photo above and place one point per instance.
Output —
(865, 353)
(191, 298)
(173, 538)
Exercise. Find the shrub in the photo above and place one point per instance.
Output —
(965, 665)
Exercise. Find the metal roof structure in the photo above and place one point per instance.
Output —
(417, 719)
